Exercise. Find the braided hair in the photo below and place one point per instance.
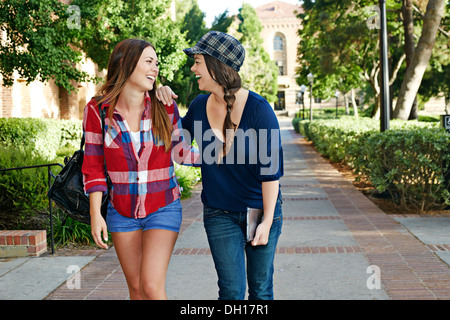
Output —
(230, 80)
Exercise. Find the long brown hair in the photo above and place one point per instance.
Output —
(230, 80)
(122, 62)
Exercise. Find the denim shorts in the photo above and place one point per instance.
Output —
(167, 218)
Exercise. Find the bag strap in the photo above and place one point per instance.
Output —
(103, 116)
(82, 141)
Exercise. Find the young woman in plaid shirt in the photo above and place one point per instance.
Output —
(142, 138)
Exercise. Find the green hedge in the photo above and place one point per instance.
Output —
(40, 137)
(22, 191)
(410, 161)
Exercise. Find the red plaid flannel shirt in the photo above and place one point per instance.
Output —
(142, 181)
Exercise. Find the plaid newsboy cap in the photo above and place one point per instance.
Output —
(221, 46)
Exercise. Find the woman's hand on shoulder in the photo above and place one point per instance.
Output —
(165, 95)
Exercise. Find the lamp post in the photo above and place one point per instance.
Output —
(310, 77)
(302, 89)
(384, 72)
(336, 94)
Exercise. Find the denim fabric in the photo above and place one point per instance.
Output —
(166, 218)
(226, 232)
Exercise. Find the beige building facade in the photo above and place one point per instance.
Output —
(280, 34)
(46, 99)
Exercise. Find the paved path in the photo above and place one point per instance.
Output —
(335, 244)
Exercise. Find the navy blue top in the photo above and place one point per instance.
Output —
(255, 156)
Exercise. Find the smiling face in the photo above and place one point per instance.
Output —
(204, 79)
(146, 71)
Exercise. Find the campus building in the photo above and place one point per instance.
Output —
(280, 34)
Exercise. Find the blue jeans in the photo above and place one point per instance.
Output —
(226, 236)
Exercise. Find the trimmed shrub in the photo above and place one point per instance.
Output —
(410, 161)
(38, 137)
(412, 165)
(22, 191)
(71, 133)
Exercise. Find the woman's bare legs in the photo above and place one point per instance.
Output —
(128, 247)
(157, 249)
(144, 257)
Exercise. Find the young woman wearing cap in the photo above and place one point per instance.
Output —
(144, 214)
(232, 183)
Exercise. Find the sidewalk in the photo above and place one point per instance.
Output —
(333, 245)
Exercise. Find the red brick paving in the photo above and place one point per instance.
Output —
(410, 269)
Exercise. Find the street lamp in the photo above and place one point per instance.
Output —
(302, 89)
(310, 77)
(384, 72)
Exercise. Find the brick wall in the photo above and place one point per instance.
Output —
(22, 243)
(6, 101)
(47, 100)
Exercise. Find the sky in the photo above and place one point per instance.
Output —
(213, 8)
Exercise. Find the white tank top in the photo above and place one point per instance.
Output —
(136, 138)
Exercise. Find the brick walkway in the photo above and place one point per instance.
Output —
(331, 234)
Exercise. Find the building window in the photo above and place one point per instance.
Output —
(278, 44)
(279, 53)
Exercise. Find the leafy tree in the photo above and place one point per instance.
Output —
(420, 59)
(222, 22)
(42, 44)
(39, 43)
(193, 25)
(339, 46)
(104, 23)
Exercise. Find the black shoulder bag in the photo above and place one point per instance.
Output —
(67, 189)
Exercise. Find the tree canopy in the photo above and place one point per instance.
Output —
(340, 46)
(38, 42)
(45, 38)
(193, 25)
(107, 22)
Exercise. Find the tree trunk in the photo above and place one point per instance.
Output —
(422, 54)
(354, 105)
(347, 110)
(408, 26)
(376, 110)
(447, 105)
